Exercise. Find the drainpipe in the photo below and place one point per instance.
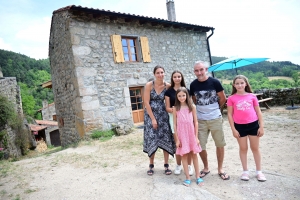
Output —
(212, 32)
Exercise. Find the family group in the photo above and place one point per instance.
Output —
(179, 121)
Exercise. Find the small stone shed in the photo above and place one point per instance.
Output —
(100, 61)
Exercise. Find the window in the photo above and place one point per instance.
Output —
(127, 49)
(136, 99)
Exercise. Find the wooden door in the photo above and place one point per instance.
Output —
(137, 106)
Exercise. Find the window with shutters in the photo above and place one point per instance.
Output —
(130, 49)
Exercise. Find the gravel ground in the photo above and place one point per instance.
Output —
(116, 169)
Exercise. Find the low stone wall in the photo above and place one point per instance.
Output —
(281, 96)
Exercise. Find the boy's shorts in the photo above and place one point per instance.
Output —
(215, 126)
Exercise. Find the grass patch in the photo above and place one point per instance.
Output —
(102, 135)
(29, 191)
(3, 192)
(226, 81)
(280, 77)
(6, 168)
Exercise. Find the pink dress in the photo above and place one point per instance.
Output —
(186, 132)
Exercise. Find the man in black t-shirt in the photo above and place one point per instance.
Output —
(208, 96)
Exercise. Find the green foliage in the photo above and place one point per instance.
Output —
(257, 81)
(7, 111)
(258, 74)
(10, 117)
(102, 135)
(283, 68)
(22, 134)
(30, 74)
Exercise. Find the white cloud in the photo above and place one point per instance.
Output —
(4, 45)
(36, 31)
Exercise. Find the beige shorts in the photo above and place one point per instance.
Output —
(214, 126)
(171, 121)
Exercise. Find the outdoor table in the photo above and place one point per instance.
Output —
(261, 100)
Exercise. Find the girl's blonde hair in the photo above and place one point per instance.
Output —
(188, 99)
(247, 88)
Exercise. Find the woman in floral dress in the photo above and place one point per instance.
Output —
(157, 131)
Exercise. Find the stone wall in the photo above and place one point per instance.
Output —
(10, 89)
(48, 110)
(91, 90)
(64, 80)
(282, 96)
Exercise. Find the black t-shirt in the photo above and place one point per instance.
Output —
(206, 98)
(171, 93)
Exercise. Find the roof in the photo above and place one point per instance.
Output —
(77, 10)
(34, 127)
(51, 104)
(47, 84)
(47, 122)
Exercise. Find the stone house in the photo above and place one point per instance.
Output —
(100, 61)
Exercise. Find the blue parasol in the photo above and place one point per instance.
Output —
(234, 63)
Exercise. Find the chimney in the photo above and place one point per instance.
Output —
(171, 10)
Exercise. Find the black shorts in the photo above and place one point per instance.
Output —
(247, 129)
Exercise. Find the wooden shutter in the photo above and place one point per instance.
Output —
(145, 49)
(116, 42)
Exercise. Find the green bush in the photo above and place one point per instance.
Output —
(9, 116)
(7, 111)
(102, 135)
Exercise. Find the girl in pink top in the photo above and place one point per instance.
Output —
(185, 133)
(246, 122)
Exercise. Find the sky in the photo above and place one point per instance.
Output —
(245, 28)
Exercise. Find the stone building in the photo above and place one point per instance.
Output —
(50, 132)
(10, 90)
(100, 61)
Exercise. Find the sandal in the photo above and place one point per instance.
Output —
(150, 172)
(245, 177)
(187, 183)
(223, 176)
(167, 170)
(261, 177)
(199, 181)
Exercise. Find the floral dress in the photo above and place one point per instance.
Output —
(161, 137)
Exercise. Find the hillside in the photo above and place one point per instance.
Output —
(279, 68)
(30, 73)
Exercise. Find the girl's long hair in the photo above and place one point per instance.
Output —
(247, 88)
(182, 83)
(188, 99)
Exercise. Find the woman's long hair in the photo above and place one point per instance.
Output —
(247, 88)
(158, 67)
(188, 99)
(182, 83)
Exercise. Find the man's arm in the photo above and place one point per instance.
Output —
(222, 99)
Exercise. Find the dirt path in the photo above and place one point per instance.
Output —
(116, 169)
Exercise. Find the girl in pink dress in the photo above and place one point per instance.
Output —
(186, 130)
